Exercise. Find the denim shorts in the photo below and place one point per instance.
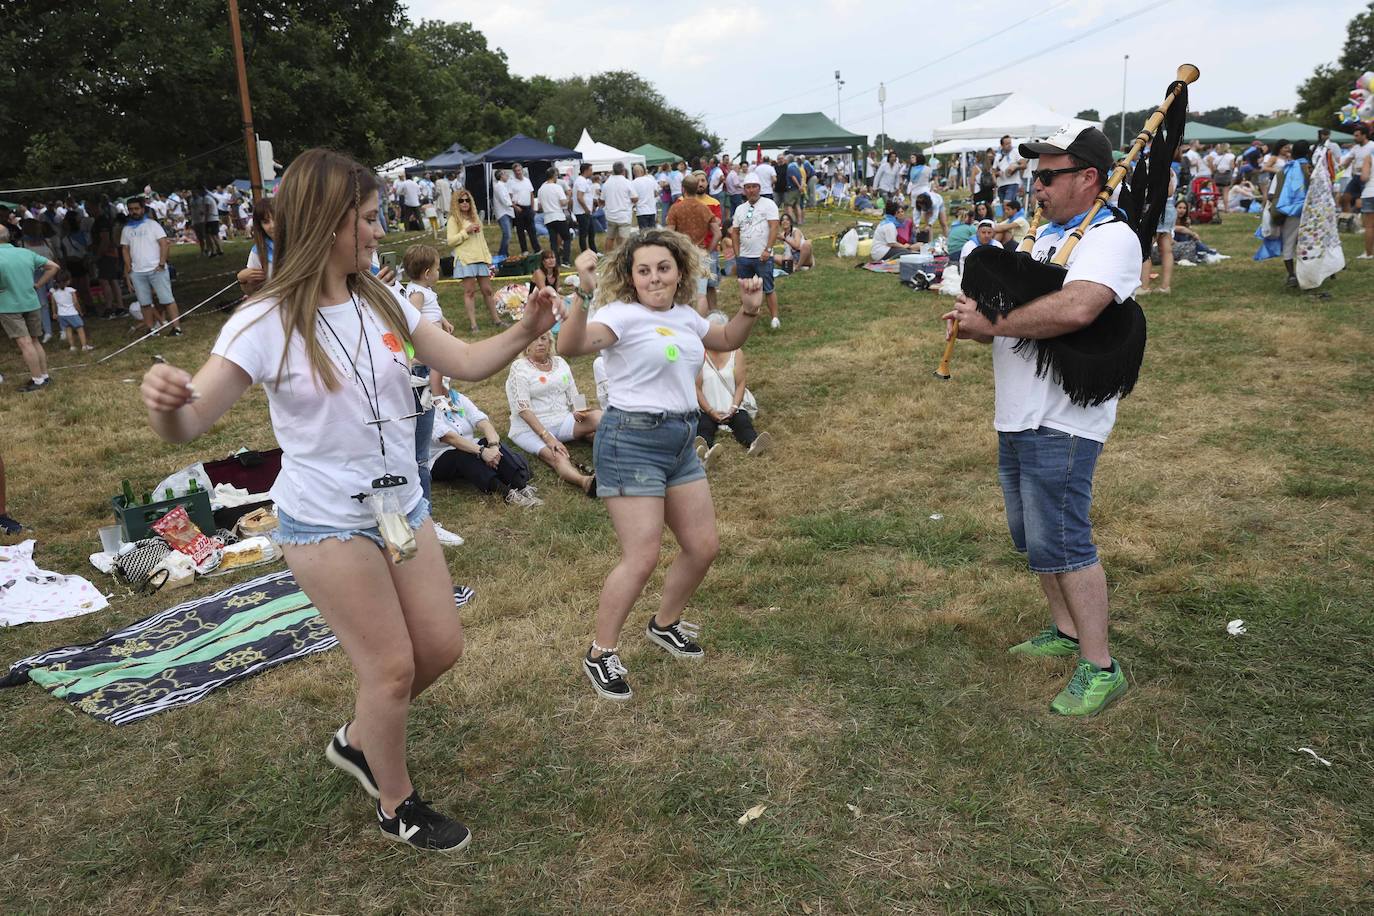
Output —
(643, 454)
(289, 531)
(70, 321)
(1047, 484)
(756, 267)
(153, 281)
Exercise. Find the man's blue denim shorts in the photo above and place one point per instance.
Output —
(643, 454)
(1047, 484)
(289, 531)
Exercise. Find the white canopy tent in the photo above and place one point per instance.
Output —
(602, 155)
(1018, 114)
(395, 168)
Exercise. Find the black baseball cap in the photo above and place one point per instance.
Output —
(1089, 145)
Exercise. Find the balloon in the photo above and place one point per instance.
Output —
(1366, 81)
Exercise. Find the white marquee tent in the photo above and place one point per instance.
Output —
(395, 168)
(1018, 114)
(602, 155)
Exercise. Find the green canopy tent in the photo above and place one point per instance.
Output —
(804, 129)
(655, 155)
(1207, 133)
(1293, 131)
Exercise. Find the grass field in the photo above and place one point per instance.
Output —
(857, 681)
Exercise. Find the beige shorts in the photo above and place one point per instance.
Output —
(21, 324)
(619, 230)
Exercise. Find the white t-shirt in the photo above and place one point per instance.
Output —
(409, 192)
(501, 200)
(937, 204)
(1109, 254)
(884, 237)
(752, 221)
(443, 193)
(582, 187)
(549, 394)
(603, 384)
(143, 241)
(1222, 162)
(329, 451)
(972, 244)
(521, 191)
(675, 183)
(65, 300)
(1197, 164)
(645, 187)
(429, 308)
(222, 199)
(553, 201)
(617, 192)
(653, 364)
(461, 417)
(1356, 157)
(768, 176)
(1004, 161)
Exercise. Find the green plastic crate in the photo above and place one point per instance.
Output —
(136, 521)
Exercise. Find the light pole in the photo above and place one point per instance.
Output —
(839, 84)
(1124, 64)
(882, 124)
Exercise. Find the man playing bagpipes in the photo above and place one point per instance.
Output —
(1067, 342)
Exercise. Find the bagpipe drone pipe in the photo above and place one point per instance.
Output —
(1102, 360)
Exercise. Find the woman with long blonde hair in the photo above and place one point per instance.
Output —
(471, 256)
(646, 468)
(328, 341)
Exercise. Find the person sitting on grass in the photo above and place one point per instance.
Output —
(66, 311)
(981, 239)
(546, 411)
(467, 449)
(1013, 227)
(885, 247)
(798, 255)
(1184, 231)
(723, 400)
(962, 230)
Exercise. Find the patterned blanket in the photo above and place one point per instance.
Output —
(178, 656)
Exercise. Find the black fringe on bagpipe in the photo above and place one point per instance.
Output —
(1103, 360)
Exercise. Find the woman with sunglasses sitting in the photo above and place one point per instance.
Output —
(471, 257)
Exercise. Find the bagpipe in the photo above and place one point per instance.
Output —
(1102, 360)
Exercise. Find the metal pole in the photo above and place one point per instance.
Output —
(882, 103)
(839, 110)
(1124, 64)
(250, 137)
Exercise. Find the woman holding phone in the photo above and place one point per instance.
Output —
(647, 471)
(328, 341)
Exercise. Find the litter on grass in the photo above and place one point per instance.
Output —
(936, 516)
(1307, 750)
(1236, 627)
(752, 814)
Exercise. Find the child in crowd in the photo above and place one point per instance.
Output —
(66, 310)
(421, 263)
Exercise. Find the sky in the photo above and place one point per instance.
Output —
(1252, 55)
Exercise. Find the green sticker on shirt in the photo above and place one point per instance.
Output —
(672, 353)
(410, 350)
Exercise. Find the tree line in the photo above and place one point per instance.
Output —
(146, 89)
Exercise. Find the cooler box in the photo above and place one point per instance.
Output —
(909, 264)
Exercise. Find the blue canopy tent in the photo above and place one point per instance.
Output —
(269, 185)
(453, 159)
(535, 156)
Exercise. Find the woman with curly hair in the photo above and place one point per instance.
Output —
(647, 470)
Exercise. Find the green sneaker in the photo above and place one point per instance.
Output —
(1090, 690)
(1046, 644)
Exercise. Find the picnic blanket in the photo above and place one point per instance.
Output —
(179, 656)
(883, 267)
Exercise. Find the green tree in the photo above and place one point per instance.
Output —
(1135, 120)
(1220, 117)
(1089, 114)
(1328, 88)
(619, 108)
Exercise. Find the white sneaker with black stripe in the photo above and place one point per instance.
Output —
(419, 825)
(607, 675)
(677, 638)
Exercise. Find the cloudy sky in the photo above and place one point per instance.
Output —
(739, 66)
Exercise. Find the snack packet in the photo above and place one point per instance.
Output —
(180, 533)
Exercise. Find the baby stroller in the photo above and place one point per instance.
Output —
(1205, 200)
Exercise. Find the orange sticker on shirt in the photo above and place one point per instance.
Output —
(392, 344)
(666, 332)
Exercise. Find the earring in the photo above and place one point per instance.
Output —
(333, 236)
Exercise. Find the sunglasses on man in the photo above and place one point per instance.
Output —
(1046, 176)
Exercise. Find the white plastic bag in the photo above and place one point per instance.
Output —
(180, 482)
(950, 281)
(849, 244)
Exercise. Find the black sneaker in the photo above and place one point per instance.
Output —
(32, 385)
(678, 638)
(607, 675)
(9, 525)
(351, 761)
(424, 828)
(177, 332)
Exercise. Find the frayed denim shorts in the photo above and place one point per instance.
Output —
(291, 532)
(643, 454)
(1047, 484)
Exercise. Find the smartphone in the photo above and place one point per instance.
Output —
(390, 259)
(579, 401)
